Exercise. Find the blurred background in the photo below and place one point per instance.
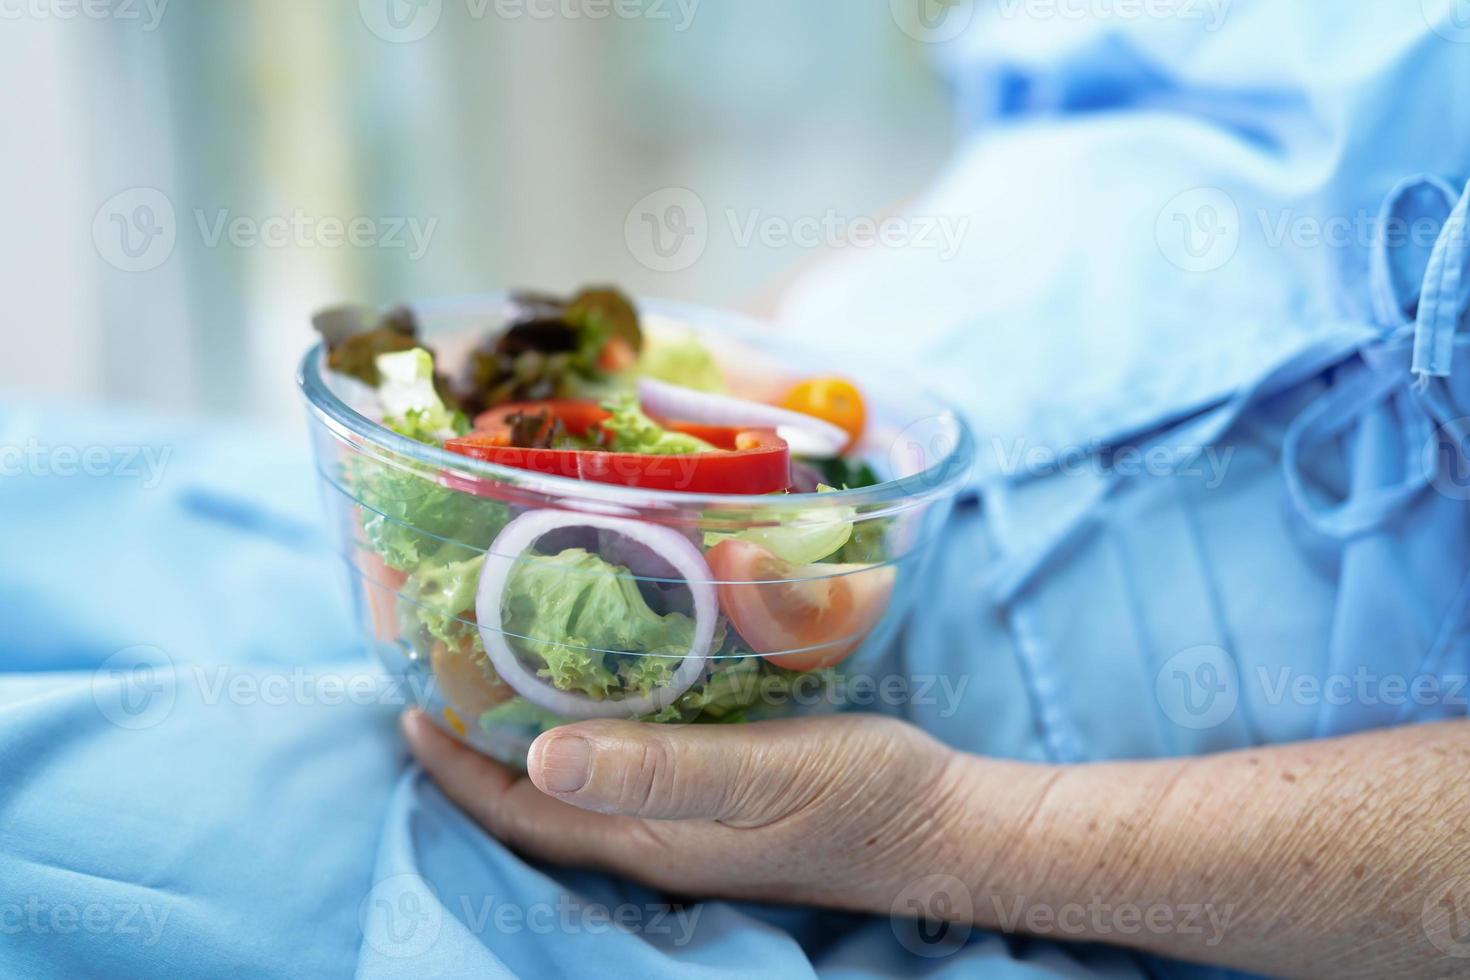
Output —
(188, 180)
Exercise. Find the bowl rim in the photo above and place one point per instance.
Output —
(943, 478)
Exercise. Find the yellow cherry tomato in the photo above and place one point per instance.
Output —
(831, 400)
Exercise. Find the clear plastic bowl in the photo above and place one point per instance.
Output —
(511, 601)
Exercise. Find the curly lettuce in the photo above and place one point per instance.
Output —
(574, 611)
(682, 360)
(441, 599)
(631, 431)
(407, 516)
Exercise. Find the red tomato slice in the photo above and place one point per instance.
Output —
(776, 606)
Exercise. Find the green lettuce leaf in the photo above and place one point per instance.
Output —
(442, 600)
(630, 431)
(574, 611)
(409, 518)
(682, 361)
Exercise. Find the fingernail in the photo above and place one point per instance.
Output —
(564, 763)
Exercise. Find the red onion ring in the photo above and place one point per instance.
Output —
(517, 537)
(805, 434)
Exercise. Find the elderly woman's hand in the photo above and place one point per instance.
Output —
(848, 811)
(1194, 858)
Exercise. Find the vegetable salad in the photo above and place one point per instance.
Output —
(527, 618)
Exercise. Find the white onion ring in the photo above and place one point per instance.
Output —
(517, 537)
(805, 434)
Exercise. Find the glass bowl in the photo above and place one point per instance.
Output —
(510, 601)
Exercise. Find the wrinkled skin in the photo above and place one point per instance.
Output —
(841, 812)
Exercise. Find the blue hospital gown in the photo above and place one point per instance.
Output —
(1220, 501)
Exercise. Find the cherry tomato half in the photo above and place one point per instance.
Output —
(823, 611)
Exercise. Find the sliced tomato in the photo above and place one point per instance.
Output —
(824, 611)
(381, 585)
(466, 680)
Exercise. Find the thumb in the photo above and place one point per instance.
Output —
(745, 775)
